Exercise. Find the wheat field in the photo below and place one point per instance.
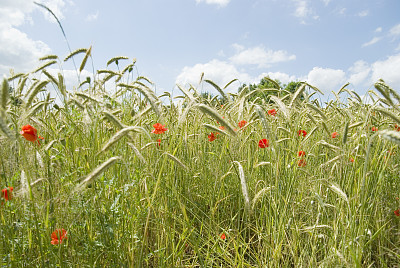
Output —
(111, 174)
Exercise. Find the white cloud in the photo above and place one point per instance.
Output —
(93, 16)
(395, 30)
(359, 73)
(303, 11)
(238, 47)
(18, 50)
(283, 77)
(56, 6)
(372, 41)
(13, 12)
(363, 13)
(326, 2)
(260, 57)
(388, 70)
(220, 72)
(326, 79)
(221, 3)
(378, 30)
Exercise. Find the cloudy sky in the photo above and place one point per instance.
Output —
(324, 42)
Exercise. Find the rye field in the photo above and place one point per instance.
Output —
(111, 173)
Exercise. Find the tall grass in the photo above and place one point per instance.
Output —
(178, 200)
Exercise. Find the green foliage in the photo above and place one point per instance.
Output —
(129, 197)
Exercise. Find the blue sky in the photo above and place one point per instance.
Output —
(324, 42)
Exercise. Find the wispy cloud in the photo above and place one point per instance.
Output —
(363, 13)
(378, 30)
(372, 41)
(221, 3)
(93, 16)
(326, 2)
(304, 11)
(56, 6)
(259, 56)
(395, 30)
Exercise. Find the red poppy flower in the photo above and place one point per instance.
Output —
(302, 163)
(263, 143)
(30, 133)
(242, 123)
(396, 127)
(159, 128)
(58, 236)
(334, 135)
(159, 142)
(374, 129)
(6, 193)
(397, 212)
(221, 127)
(272, 112)
(302, 132)
(351, 159)
(212, 136)
(223, 236)
(301, 153)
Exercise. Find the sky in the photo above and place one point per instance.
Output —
(326, 43)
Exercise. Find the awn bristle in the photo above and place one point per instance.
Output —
(4, 94)
(97, 171)
(179, 162)
(117, 136)
(390, 135)
(34, 91)
(244, 186)
(213, 113)
(116, 59)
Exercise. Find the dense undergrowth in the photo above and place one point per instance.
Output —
(208, 191)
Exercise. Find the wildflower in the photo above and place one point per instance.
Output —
(221, 127)
(302, 132)
(263, 143)
(396, 127)
(272, 112)
(212, 136)
(334, 135)
(301, 153)
(159, 129)
(223, 236)
(397, 212)
(374, 129)
(159, 142)
(242, 123)
(30, 133)
(351, 159)
(302, 163)
(57, 236)
(6, 193)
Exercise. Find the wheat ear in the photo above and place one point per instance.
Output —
(97, 171)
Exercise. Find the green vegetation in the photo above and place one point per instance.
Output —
(129, 197)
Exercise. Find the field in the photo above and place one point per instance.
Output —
(121, 177)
